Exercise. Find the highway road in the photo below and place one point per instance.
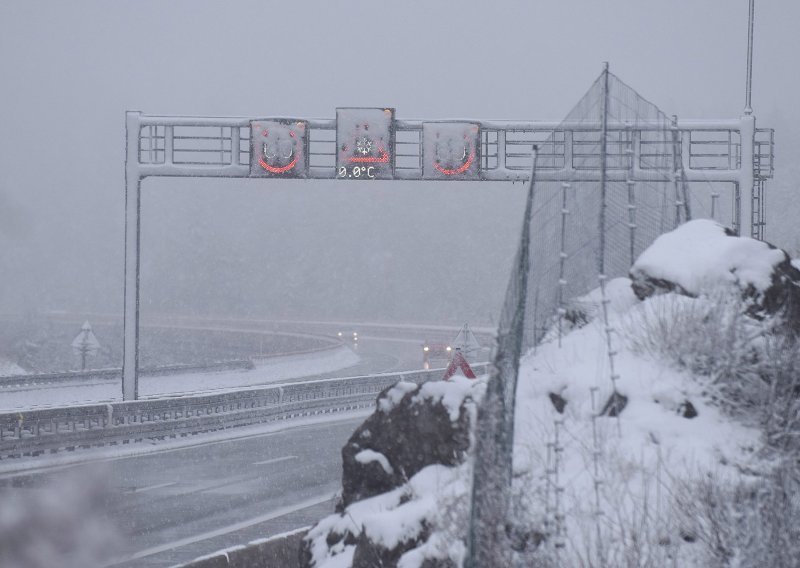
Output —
(377, 354)
(175, 504)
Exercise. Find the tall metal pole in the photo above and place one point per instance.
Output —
(133, 205)
(748, 106)
(601, 259)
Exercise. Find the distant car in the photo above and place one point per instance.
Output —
(436, 351)
(343, 335)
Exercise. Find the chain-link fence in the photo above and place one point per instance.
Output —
(624, 186)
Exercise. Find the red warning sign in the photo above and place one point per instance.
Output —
(458, 362)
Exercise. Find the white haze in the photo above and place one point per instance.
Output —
(400, 251)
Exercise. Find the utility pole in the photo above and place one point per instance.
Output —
(748, 99)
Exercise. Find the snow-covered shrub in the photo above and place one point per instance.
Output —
(751, 368)
(743, 523)
(708, 336)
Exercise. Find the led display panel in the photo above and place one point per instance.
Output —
(278, 148)
(451, 150)
(364, 143)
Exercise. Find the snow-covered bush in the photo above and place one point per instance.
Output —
(743, 522)
(709, 336)
(751, 368)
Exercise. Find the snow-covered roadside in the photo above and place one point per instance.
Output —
(621, 507)
(669, 435)
(674, 462)
(7, 368)
(18, 466)
(277, 369)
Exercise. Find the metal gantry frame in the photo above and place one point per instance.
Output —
(731, 151)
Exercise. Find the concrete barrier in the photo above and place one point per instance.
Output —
(280, 551)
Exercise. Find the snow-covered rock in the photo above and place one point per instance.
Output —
(413, 427)
(399, 467)
(701, 257)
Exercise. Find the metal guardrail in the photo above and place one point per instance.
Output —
(68, 428)
(40, 379)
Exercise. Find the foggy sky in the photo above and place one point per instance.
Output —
(390, 250)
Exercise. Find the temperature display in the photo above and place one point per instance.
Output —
(364, 143)
(356, 172)
(451, 150)
(278, 148)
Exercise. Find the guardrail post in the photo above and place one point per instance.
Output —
(130, 352)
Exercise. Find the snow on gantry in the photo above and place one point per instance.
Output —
(365, 143)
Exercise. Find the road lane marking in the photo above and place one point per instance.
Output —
(132, 451)
(276, 460)
(318, 500)
(151, 487)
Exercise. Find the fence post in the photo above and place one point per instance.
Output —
(133, 205)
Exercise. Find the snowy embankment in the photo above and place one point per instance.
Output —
(8, 369)
(267, 371)
(679, 471)
(620, 474)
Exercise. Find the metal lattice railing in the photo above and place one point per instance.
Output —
(48, 430)
(711, 150)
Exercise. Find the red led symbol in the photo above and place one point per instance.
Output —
(382, 159)
(278, 170)
(463, 167)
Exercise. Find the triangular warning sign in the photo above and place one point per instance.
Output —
(466, 341)
(85, 341)
(458, 362)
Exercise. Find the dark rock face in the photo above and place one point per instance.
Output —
(782, 297)
(559, 402)
(615, 404)
(413, 434)
(687, 409)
